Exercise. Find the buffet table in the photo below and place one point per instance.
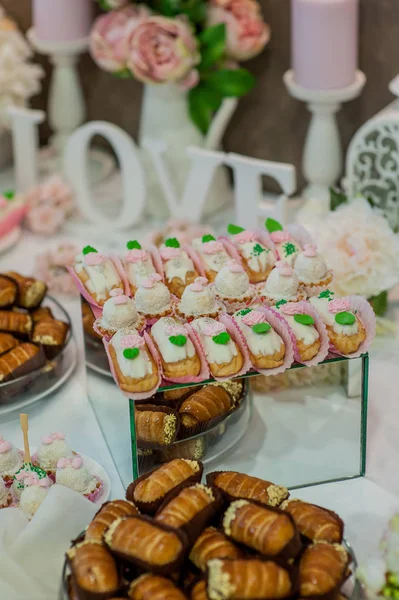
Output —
(364, 503)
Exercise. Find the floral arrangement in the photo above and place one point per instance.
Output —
(362, 250)
(52, 268)
(49, 204)
(191, 43)
(380, 575)
(19, 78)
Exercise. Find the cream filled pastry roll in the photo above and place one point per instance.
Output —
(308, 330)
(179, 357)
(287, 247)
(232, 287)
(266, 347)
(119, 312)
(134, 368)
(178, 267)
(312, 271)
(199, 300)
(282, 284)
(223, 354)
(212, 254)
(98, 275)
(138, 264)
(350, 322)
(257, 258)
(153, 299)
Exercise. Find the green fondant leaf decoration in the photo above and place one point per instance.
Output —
(9, 194)
(280, 303)
(273, 225)
(222, 338)
(261, 328)
(258, 249)
(88, 250)
(234, 229)
(327, 294)
(244, 311)
(172, 243)
(133, 245)
(208, 238)
(131, 353)
(304, 319)
(178, 340)
(345, 318)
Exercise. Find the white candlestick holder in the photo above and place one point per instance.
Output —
(322, 156)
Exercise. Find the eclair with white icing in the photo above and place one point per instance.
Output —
(133, 365)
(257, 259)
(223, 354)
(302, 325)
(178, 267)
(266, 348)
(98, 274)
(178, 355)
(286, 247)
(137, 264)
(212, 254)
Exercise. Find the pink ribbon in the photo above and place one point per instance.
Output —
(118, 296)
(199, 284)
(254, 318)
(132, 341)
(149, 282)
(310, 250)
(234, 266)
(33, 479)
(93, 259)
(284, 268)
(136, 255)
(212, 247)
(75, 463)
(339, 305)
(22, 475)
(56, 435)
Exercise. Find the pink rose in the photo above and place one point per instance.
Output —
(52, 192)
(247, 33)
(254, 318)
(51, 268)
(109, 39)
(339, 305)
(291, 309)
(45, 219)
(162, 49)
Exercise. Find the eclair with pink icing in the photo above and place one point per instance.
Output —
(178, 267)
(179, 357)
(282, 284)
(199, 300)
(133, 366)
(287, 247)
(118, 312)
(232, 287)
(312, 271)
(223, 354)
(98, 274)
(138, 264)
(257, 258)
(153, 299)
(212, 255)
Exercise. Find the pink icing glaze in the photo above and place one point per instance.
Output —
(278, 237)
(22, 475)
(244, 237)
(338, 305)
(116, 292)
(169, 253)
(33, 479)
(214, 328)
(75, 463)
(93, 259)
(234, 266)
(122, 299)
(175, 329)
(212, 247)
(136, 255)
(5, 447)
(132, 341)
(284, 268)
(3, 202)
(253, 318)
(199, 284)
(310, 250)
(291, 308)
(56, 435)
(150, 282)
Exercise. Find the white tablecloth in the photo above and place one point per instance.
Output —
(365, 504)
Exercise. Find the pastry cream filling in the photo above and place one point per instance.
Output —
(215, 353)
(170, 352)
(206, 489)
(230, 514)
(178, 267)
(111, 530)
(138, 271)
(260, 344)
(256, 262)
(102, 278)
(276, 494)
(219, 582)
(170, 428)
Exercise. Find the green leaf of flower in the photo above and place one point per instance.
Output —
(222, 338)
(172, 243)
(88, 250)
(231, 83)
(214, 45)
(9, 194)
(203, 102)
(337, 198)
(234, 229)
(380, 303)
(131, 353)
(273, 225)
(124, 74)
(304, 319)
(208, 238)
(261, 328)
(213, 35)
(327, 294)
(178, 340)
(345, 318)
(133, 245)
(244, 311)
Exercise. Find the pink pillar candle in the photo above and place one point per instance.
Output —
(62, 20)
(324, 43)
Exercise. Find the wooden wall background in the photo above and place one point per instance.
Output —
(268, 124)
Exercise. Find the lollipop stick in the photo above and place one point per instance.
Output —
(25, 428)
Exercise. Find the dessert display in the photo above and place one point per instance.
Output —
(119, 312)
(138, 264)
(202, 407)
(282, 284)
(232, 287)
(178, 267)
(51, 335)
(156, 426)
(188, 543)
(312, 271)
(199, 300)
(286, 247)
(258, 259)
(30, 291)
(212, 255)
(153, 299)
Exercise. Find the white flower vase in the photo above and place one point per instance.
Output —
(164, 115)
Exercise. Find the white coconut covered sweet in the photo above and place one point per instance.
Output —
(232, 281)
(153, 297)
(32, 497)
(282, 284)
(4, 494)
(53, 447)
(199, 299)
(10, 459)
(73, 474)
(119, 312)
(310, 266)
